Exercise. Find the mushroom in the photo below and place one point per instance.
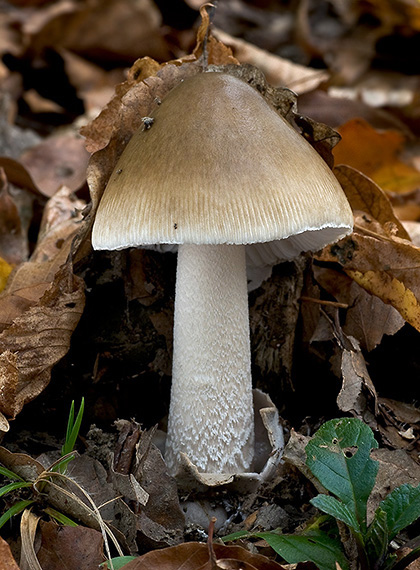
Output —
(223, 175)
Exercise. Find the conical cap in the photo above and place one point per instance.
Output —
(219, 165)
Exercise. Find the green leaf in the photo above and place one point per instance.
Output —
(236, 535)
(402, 507)
(339, 457)
(13, 486)
(337, 509)
(317, 547)
(62, 519)
(72, 432)
(15, 510)
(377, 539)
(9, 474)
(119, 562)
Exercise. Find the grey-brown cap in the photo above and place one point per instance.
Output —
(220, 165)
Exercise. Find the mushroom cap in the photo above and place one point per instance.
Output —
(219, 165)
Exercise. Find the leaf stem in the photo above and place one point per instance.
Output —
(407, 559)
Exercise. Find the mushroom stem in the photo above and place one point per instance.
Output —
(211, 413)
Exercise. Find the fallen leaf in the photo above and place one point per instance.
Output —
(37, 340)
(195, 556)
(13, 242)
(367, 317)
(5, 271)
(67, 548)
(7, 560)
(161, 520)
(278, 71)
(363, 194)
(356, 383)
(386, 267)
(396, 468)
(60, 160)
(23, 465)
(31, 279)
(329, 108)
(376, 154)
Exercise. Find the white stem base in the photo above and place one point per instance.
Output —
(211, 413)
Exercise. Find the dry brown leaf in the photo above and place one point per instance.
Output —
(6, 557)
(67, 548)
(58, 160)
(367, 317)
(13, 243)
(113, 28)
(356, 383)
(23, 465)
(387, 268)
(30, 280)
(376, 154)
(374, 256)
(37, 340)
(94, 85)
(334, 111)
(18, 175)
(278, 71)
(195, 556)
(363, 194)
(161, 520)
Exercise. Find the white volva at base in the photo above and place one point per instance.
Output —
(211, 414)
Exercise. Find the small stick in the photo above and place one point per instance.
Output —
(324, 302)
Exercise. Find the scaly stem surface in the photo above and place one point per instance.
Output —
(211, 413)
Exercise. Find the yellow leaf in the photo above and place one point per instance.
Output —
(5, 270)
(391, 291)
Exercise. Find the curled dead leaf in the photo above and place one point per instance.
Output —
(37, 340)
(363, 194)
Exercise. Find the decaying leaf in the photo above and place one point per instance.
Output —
(6, 557)
(278, 71)
(363, 194)
(367, 317)
(161, 520)
(376, 154)
(195, 556)
(60, 160)
(37, 340)
(356, 383)
(374, 256)
(13, 244)
(79, 547)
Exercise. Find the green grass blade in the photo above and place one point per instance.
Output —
(119, 562)
(10, 474)
(15, 510)
(13, 486)
(62, 519)
(73, 428)
(72, 432)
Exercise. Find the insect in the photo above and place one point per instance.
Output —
(147, 122)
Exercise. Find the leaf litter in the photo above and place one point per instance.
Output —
(357, 293)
